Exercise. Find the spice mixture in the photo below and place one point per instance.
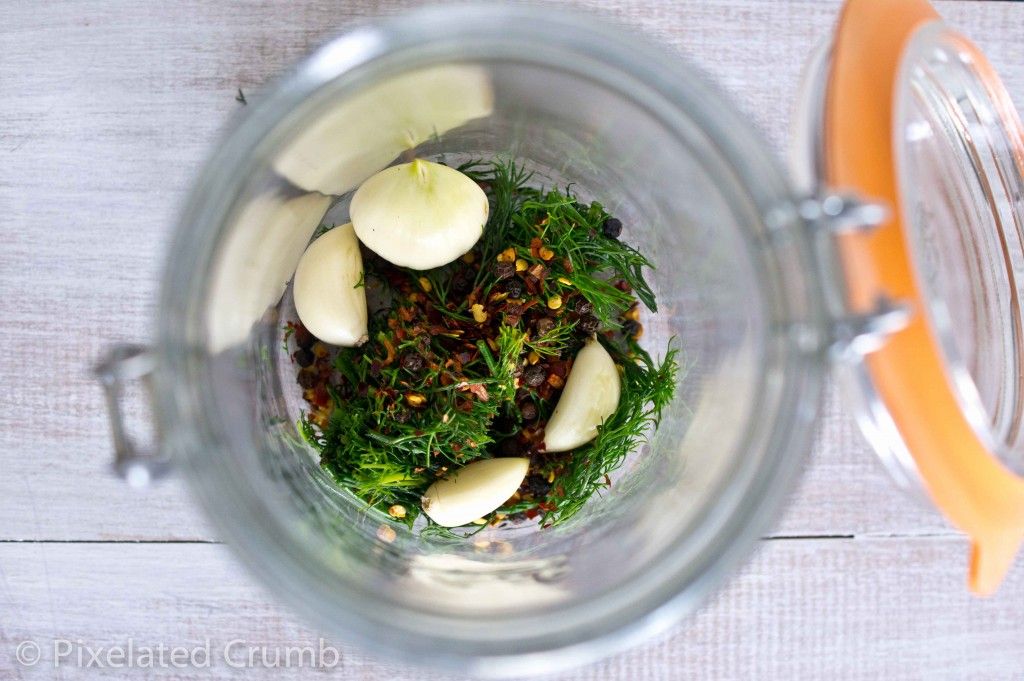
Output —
(467, 361)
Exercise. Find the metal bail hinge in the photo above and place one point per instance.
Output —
(843, 213)
(859, 334)
(125, 363)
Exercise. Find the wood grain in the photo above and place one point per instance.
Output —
(99, 140)
(816, 609)
(107, 110)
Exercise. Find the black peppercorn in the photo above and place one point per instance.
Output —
(307, 379)
(538, 486)
(303, 338)
(412, 362)
(401, 415)
(631, 328)
(528, 410)
(544, 324)
(462, 281)
(588, 324)
(534, 376)
(584, 307)
(612, 228)
(514, 287)
(504, 270)
(304, 357)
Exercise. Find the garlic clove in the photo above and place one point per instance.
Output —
(590, 396)
(357, 136)
(420, 215)
(474, 490)
(257, 258)
(329, 297)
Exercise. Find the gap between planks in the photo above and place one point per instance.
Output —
(771, 537)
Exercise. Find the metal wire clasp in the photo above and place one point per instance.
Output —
(854, 334)
(122, 364)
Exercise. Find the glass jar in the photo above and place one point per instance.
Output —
(753, 286)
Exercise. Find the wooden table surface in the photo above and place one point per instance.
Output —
(107, 109)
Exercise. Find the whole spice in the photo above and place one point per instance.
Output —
(412, 362)
(588, 324)
(514, 288)
(612, 228)
(307, 380)
(504, 269)
(534, 376)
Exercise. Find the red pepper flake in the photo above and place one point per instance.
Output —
(559, 368)
(545, 391)
(477, 389)
(535, 244)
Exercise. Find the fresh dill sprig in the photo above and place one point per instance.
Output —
(554, 342)
(588, 261)
(506, 183)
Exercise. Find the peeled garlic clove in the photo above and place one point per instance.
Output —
(420, 215)
(590, 396)
(328, 296)
(354, 137)
(474, 490)
(253, 265)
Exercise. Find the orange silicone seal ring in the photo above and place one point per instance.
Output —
(975, 491)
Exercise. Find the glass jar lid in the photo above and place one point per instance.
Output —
(913, 116)
(960, 171)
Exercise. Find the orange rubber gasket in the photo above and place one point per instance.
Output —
(975, 491)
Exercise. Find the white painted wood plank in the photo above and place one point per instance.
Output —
(99, 138)
(814, 609)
